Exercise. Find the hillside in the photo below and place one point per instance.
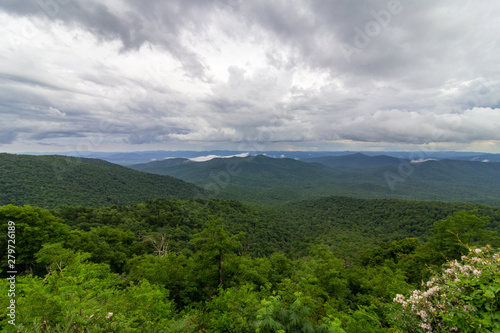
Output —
(355, 161)
(157, 167)
(50, 181)
(267, 180)
(272, 180)
(445, 180)
(346, 224)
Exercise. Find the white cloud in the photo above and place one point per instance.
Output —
(422, 160)
(211, 157)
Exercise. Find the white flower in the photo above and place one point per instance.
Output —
(422, 314)
(399, 299)
(431, 291)
(110, 314)
(425, 326)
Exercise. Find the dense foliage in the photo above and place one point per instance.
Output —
(465, 297)
(51, 181)
(55, 181)
(330, 265)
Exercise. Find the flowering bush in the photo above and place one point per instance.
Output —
(463, 298)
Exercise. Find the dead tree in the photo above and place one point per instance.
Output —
(160, 242)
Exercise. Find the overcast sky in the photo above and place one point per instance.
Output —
(126, 75)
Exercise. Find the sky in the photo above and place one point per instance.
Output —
(135, 75)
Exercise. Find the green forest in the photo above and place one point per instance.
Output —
(51, 181)
(333, 264)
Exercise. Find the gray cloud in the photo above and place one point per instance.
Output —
(153, 22)
(407, 72)
(7, 137)
(53, 135)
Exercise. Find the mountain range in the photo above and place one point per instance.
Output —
(137, 157)
(265, 179)
(49, 181)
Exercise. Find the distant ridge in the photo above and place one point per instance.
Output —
(355, 161)
(138, 157)
(247, 170)
(50, 181)
(481, 158)
(253, 178)
(264, 179)
(157, 166)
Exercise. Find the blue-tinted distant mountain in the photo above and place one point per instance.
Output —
(481, 158)
(426, 154)
(131, 158)
(355, 161)
(158, 166)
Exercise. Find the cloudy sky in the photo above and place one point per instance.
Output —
(126, 75)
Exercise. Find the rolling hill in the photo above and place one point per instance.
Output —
(355, 161)
(253, 178)
(270, 180)
(50, 181)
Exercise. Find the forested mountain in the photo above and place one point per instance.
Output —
(139, 157)
(249, 170)
(447, 180)
(158, 167)
(50, 181)
(356, 161)
(266, 180)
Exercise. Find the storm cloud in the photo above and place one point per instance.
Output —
(136, 75)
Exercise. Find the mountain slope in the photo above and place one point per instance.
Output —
(269, 180)
(453, 180)
(355, 161)
(50, 181)
(348, 225)
(243, 170)
(157, 167)
(265, 180)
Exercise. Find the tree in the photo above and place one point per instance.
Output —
(55, 257)
(160, 242)
(453, 235)
(215, 242)
(33, 228)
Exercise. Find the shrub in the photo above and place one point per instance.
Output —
(463, 298)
